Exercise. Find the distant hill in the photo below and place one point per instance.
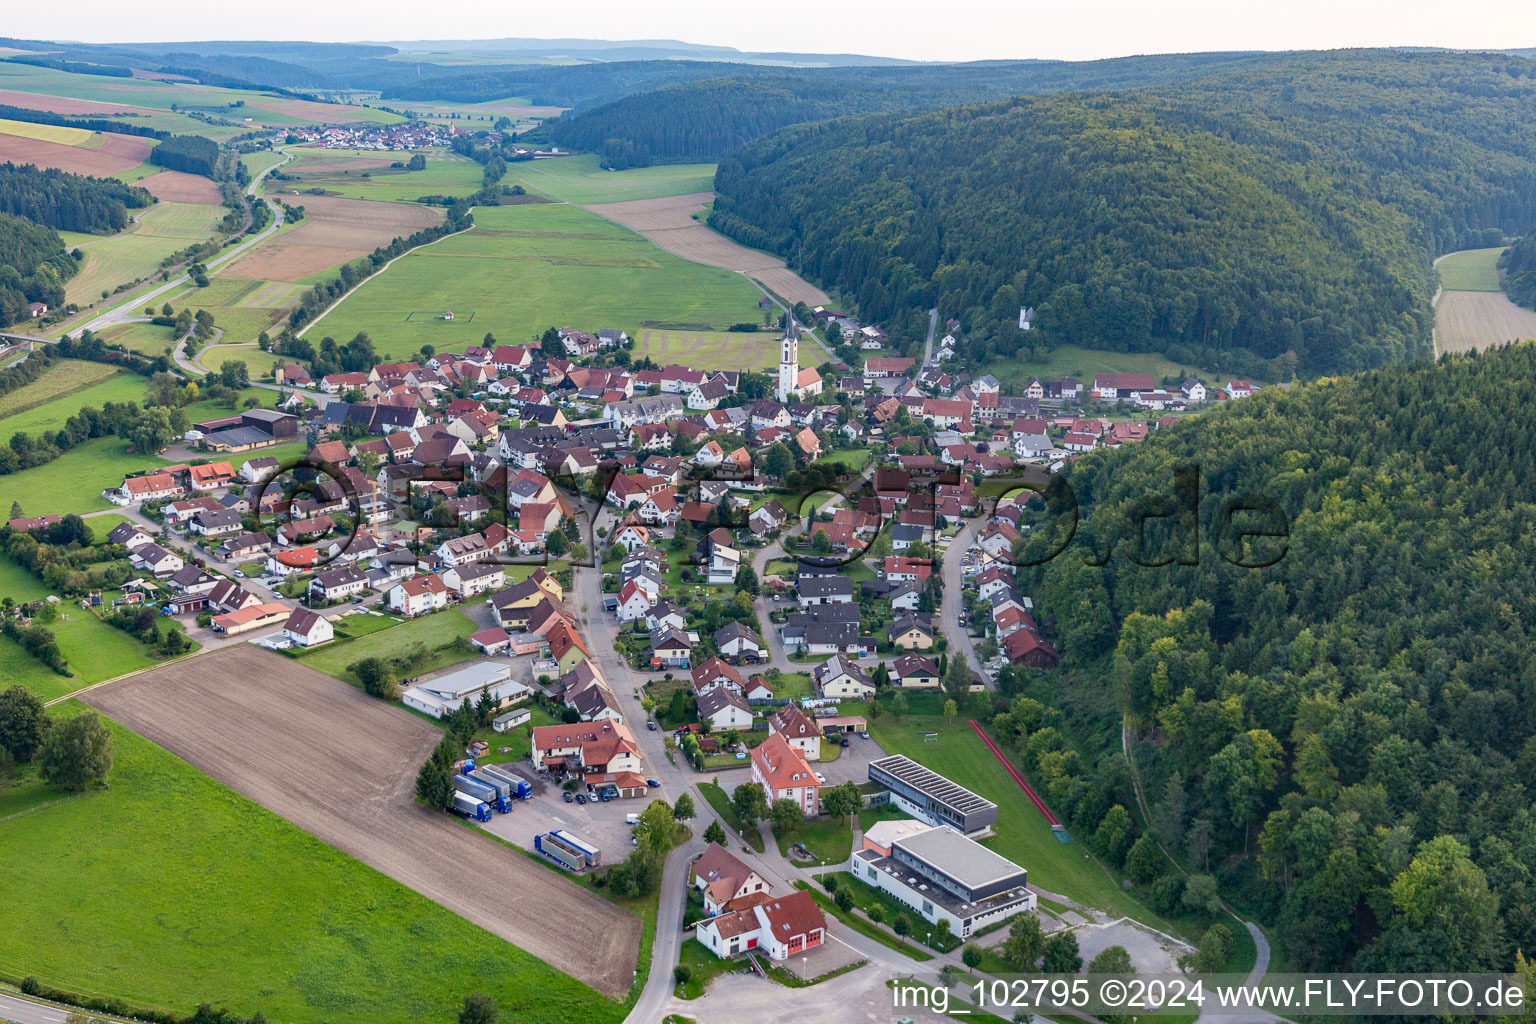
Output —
(1283, 213)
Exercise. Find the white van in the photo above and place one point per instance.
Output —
(631, 820)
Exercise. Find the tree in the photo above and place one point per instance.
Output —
(655, 830)
(1025, 943)
(1114, 834)
(152, 430)
(1112, 960)
(16, 512)
(76, 752)
(1215, 947)
(899, 705)
(1444, 895)
(1144, 861)
(951, 709)
(746, 580)
(434, 785)
(876, 913)
(478, 1009)
(957, 677)
(682, 810)
(842, 800)
(233, 374)
(1202, 895)
(714, 833)
(844, 899)
(682, 973)
(1060, 955)
(557, 544)
(787, 814)
(902, 926)
(23, 723)
(750, 802)
(971, 955)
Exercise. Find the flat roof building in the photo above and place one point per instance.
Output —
(926, 794)
(442, 696)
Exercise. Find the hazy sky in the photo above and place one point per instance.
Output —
(954, 30)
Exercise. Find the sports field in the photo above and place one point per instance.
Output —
(62, 390)
(525, 268)
(580, 179)
(235, 906)
(136, 253)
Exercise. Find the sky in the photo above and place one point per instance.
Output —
(951, 31)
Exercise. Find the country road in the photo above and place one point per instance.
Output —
(933, 324)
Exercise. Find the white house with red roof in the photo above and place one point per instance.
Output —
(418, 595)
(785, 774)
(798, 729)
(781, 927)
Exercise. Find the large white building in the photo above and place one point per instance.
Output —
(442, 696)
(941, 875)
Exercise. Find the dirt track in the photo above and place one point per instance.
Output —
(333, 231)
(669, 223)
(117, 153)
(342, 766)
(1472, 321)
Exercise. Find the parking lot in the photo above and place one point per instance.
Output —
(852, 765)
(601, 824)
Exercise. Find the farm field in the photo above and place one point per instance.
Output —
(74, 482)
(580, 179)
(1468, 321)
(102, 94)
(525, 268)
(111, 154)
(1083, 363)
(181, 187)
(255, 721)
(260, 160)
(61, 134)
(1471, 270)
(63, 390)
(1022, 834)
(136, 253)
(717, 350)
(235, 905)
(366, 174)
(150, 339)
(333, 231)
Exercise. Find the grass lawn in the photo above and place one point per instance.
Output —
(518, 742)
(232, 905)
(715, 350)
(830, 751)
(1082, 363)
(571, 267)
(438, 631)
(1471, 270)
(720, 800)
(866, 896)
(580, 179)
(74, 481)
(866, 928)
(705, 967)
(829, 841)
(791, 685)
(136, 253)
(1022, 834)
(855, 459)
(65, 388)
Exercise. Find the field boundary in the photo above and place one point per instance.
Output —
(377, 273)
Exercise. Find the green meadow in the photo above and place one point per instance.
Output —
(1082, 363)
(135, 254)
(580, 179)
(232, 905)
(1471, 270)
(94, 650)
(522, 269)
(67, 386)
(74, 482)
(446, 173)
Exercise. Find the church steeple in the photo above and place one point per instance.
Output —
(789, 363)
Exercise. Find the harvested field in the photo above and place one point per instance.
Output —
(181, 187)
(669, 223)
(1472, 321)
(333, 232)
(269, 728)
(66, 104)
(117, 153)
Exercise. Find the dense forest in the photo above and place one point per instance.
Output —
(191, 153)
(1517, 266)
(1283, 214)
(1348, 736)
(33, 267)
(68, 202)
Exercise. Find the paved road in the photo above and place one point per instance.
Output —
(128, 308)
(933, 323)
(25, 1011)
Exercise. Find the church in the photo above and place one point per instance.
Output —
(795, 384)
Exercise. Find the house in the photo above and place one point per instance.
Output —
(566, 646)
(716, 674)
(217, 523)
(738, 643)
(442, 695)
(633, 601)
(337, 584)
(724, 708)
(211, 477)
(306, 628)
(492, 642)
(798, 729)
(475, 578)
(1239, 389)
(1193, 390)
(781, 928)
(157, 560)
(841, 677)
(770, 516)
(149, 487)
(915, 672)
(129, 535)
(724, 557)
(722, 878)
(784, 774)
(1026, 647)
(670, 649)
(904, 570)
(585, 748)
(913, 632)
(418, 595)
(822, 590)
(1116, 387)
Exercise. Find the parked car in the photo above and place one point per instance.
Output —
(821, 778)
(581, 798)
(651, 726)
(653, 783)
(842, 741)
(568, 796)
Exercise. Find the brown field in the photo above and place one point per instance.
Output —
(67, 105)
(333, 231)
(341, 765)
(181, 187)
(669, 223)
(116, 153)
(1472, 321)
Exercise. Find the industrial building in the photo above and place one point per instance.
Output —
(942, 875)
(924, 793)
(442, 696)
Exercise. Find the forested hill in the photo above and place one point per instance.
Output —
(1518, 267)
(69, 202)
(1320, 723)
(702, 120)
(1285, 212)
